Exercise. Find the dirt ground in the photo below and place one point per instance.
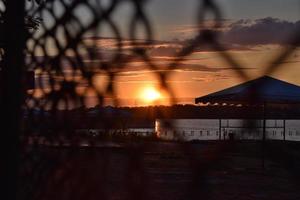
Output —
(164, 171)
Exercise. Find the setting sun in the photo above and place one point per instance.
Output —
(150, 94)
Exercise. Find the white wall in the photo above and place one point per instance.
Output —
(187, 129)
(292, 130)
(141, 131)
(208, 129)
(136, 131)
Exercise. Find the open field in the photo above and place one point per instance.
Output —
(164, 170)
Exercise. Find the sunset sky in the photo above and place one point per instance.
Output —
(254, 32)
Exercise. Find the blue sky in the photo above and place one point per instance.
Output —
(179, 10)
(166, 14)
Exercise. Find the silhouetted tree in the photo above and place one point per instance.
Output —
(32, 23)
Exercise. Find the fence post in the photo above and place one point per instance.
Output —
(11, 96)
(264, 134)
(220, 128)
(284, 130)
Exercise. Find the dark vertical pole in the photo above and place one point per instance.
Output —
(264, 135)
(11, 96)
(225, 130)
(220, 129)
(284, 130)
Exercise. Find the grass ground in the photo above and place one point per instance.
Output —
(165, 170)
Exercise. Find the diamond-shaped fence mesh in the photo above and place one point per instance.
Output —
(66, 47)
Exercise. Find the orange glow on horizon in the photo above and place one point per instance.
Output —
(150, 95)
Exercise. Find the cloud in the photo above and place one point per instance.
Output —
(260, 32)
(238, 35)
(208, 78)
(165, 51)
(206, 68)
(244, 33)
(137, 71)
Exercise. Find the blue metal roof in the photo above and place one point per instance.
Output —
(264, 89)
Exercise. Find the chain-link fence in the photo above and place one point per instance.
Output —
(67, 52)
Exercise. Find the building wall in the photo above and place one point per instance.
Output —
(186, 129)
(215, 129)
(293, 130)
(130, 131)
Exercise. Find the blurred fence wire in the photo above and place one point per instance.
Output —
(63, 42)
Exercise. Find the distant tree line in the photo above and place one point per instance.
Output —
(144, 117)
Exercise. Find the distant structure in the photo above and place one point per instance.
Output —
(264, 90)
(225, 129)
(259, 92)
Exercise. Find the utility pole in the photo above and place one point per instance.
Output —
(11, 96)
